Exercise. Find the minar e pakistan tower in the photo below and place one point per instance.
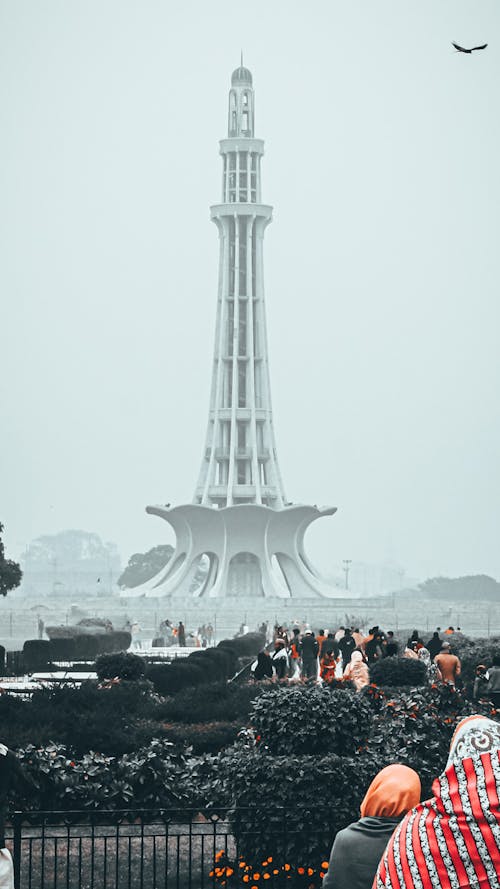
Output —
(240, 519)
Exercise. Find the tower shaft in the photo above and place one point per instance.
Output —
(239, 464)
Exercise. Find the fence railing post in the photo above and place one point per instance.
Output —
(16, 824)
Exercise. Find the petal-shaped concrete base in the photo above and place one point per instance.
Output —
(253, 551)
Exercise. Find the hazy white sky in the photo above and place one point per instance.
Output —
(382, 265)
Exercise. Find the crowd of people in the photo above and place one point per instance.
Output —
(347, 653)
(451, 840)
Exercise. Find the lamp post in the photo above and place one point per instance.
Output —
(347, 564)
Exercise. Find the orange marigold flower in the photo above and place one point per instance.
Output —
(301, 870)
(322, 874)
(211, 873)
(324, 864)
(270, 858)
(267, 876)
(286, 867)
(242, 864)
(219, 855)
(275, 871)
(246, 878)
(256, 876)
(229, 871)
(310, 871)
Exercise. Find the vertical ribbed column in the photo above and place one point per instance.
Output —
(239, 464)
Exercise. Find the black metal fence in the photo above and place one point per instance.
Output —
(164, 849)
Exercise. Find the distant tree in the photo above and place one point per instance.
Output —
(468, 588)
(143, 566)
(10, 572)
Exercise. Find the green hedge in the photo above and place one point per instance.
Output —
(155, 776)
(62, 649)
(113, 720)
(220, 701)
(473, 652)
(122, 665)
(36, 655)
(249, 644)
(398, 671)
(207, 737)
(311, 719)
(315, 796)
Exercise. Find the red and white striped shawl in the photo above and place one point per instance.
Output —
(452, 841)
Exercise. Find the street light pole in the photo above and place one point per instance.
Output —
(346, 563)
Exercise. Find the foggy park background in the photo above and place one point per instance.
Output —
(381, 266)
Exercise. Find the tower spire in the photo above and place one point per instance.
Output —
(240, 463)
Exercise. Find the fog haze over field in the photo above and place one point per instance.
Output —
(381, 266)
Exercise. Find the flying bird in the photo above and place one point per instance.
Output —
(472, 49)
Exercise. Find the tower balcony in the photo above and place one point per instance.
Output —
(263, 454)
(263, 211)
(242, 144)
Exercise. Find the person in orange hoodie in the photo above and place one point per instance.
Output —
(358, 848)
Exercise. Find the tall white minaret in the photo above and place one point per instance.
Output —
(253, 540)
(240, 464)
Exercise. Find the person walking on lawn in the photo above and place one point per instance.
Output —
(448, 664)
(309, 650)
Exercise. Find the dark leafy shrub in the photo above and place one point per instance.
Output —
(398, 671)
(473, 652)
(2, 659)
(155, 776)
(220, 701)
(250, 644)
(122, 665)
(309, 719)
(62, 649)
(14, 663)
(86, 647)
(121, 640)
(226, 658)
(415, 727)
(315, 796)
(207, 737)
(168, 679)
(112, 720)
(210, 667)
(36, 653)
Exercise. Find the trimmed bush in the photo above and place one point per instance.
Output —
(210, 667)
(221, 701)
(206, 737)
(226, 658)
(315, 795)
(398, 671)
(62, 649)
(471, 653)
(36, 653)
(168, 679)
(309, 719)
(122, 665)
(250, 644)
(86, 647)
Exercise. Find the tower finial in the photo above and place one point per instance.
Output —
(241, 63)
